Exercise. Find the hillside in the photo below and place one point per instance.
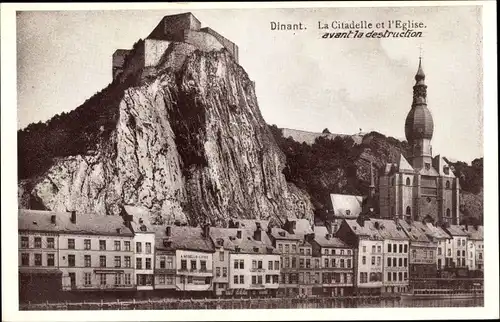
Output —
(185, 139)
(343, 166)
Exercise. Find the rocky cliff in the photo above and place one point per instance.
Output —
(185, 139)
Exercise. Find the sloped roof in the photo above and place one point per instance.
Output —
(404, 165)
(342, 203)
(140, 222)
(473, 233)
(320, 233)
(456, 230)
(437, 232)
(440, 164)
(368, 230)
(428, 172)
(184, 237)
(302, 226)
(388, 229)
(246, 243)
(252, 223)
(416, 231)
(91, 224)
(279, 233)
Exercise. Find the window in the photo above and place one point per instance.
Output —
(400, 262)
(87, 278)
(242, 279)
(102, 245)
(50, 259)
(458, 253)
(148, 263)
(389, 276)
(378, 261)
(102, 261)
(287, 262)
(162, 262)
(463, 253)
(394, 276)
(259, 279)
(127, 261)
(71, 260)
(221, 256)
(405, 276)
(87, 261)
(408, 211)
(138, 263)
(334, 262)
(408, 182)
(326, 262)
(270, 265)
(373, 249)
(50, 242)
(25, 259)
(280, 248)
(405, 262)
(161, 279)
(118, 261)
(349, 263)
(342, 263)
(364, 249)
(294, 249)
(406, 249)
(379, 250)
(236, 265)
(242, 264)
(235, 279)
(388, 261)
(463, 242)
(102, 279)
(118, 279)
(217, 271)
(190, 280)
(203, 266)
(316, 263)
(447, 185)
(394, 262)
(276, 265)
(439, 251)
(287, 248)
(389, 248)
(400, 276)
(308, 252)
(373, 260)
(224, 271)
(294, 262)
(86, 244)
(138, 247)
(126, 245)
(148, 248)
(169, 280)
(364, 260)
(394, 248)
(308, 263)
(401, 248)
(268, 279)
(431, 253)
(193, 265)
(308, 278)
(25, 242)
(448, 212)
(170, 262)
(449, 252)
(301, 251)
(414, 254)
(38, 242)
(117, 245)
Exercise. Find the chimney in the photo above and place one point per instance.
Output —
(361, 220)
(73, 217)
(238, 234)
(168, 231)
(328, 225)
(257, 225)
(257, 235)
(53, 219)
(118, 230)
(372, 182)
(206, 230)
(467, 227)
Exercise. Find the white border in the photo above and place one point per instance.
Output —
(9, 180)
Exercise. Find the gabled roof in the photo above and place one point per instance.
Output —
(302, 226)
(439, 164)
(320, 233)
(456, 230)
(247, 243)
(252, 223)
(91, 224)
(184, 237)
(473, 233)
(342, 204)
(404, 165)
(281, 234)
(388, 229)
(140, 219)
(437, 232)
(416, 231)
(366, 231)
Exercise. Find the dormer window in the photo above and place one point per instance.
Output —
(237, 249)
(427, 166)
(447, 185)
(281, 233)
(256, 249)
(347, 212)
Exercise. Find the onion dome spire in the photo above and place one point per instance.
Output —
(420, 76)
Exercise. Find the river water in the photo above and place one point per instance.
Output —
(472, 302)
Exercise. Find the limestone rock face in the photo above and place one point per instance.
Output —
(188, 143)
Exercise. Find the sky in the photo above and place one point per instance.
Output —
(302, 81)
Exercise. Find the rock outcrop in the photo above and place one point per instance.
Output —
(187, 142)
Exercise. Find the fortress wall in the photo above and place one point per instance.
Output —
(172, 27)
(202, 40)
(230, 46)
(154, 51)
(134, 61)
(118, 60)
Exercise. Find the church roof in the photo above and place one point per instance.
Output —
(403, 164)
(419, 123)
(346, 206)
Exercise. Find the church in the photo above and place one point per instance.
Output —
(422, 187)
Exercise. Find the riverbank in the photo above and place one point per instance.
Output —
(261, 303)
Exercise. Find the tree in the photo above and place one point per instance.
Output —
(326, 131)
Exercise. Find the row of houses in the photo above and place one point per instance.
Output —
(85, 252)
